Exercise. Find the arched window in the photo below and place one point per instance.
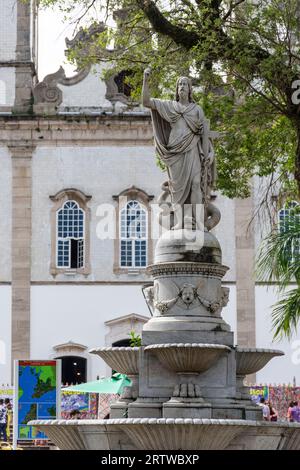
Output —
(74, 362)
(73, 369)
(70, 236)
(70, 219)
(288, 217)
(133, 235)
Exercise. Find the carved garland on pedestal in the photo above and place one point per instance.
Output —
(188, 297)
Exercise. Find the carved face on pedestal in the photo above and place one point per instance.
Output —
(188, 294)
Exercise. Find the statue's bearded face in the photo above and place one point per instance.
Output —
(183, 87)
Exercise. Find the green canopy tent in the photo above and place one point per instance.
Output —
(112, 385)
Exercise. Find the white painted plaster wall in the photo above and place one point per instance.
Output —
(8, 29)
(7, 86)
(5, 215)
(5, 334)
(78, 313)
(90, 92)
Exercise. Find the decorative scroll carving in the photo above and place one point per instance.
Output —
(81, 75)
(47, 91)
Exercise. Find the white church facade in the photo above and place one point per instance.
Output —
(71, 153)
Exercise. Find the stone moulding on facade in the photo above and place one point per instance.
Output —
(90, 131)
(205, 269)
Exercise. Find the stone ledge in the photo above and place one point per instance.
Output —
(187, 268)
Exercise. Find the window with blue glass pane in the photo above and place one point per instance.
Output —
(133, 231)
(70, 236)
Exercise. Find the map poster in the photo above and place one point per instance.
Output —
(36, 396)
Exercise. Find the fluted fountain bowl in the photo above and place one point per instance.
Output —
(124, 360)
(188, 357)
(251, 360)
(170, 434)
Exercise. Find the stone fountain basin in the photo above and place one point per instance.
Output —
(170, 434)
(251, 360)
(188, 357)
(124, 360)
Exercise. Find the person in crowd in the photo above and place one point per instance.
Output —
(273, 412)
(265, 409)
(8, 405)
(3, 420)
(289, 412)
(295, 413)
(75, 414)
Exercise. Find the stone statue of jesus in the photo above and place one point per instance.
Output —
(178, 132)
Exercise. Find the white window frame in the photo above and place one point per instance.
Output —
(134, 238)
(70, 238)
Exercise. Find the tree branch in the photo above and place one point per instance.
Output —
(162, 25)
(231, 9)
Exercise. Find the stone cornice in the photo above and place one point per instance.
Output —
(69, 346)
(187, 268)
(125, 318)
(21, 149)
(84, 130)
(17, 64)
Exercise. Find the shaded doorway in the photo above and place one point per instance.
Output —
(73, 369)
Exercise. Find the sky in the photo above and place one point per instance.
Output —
(51, 43)
(52, 31)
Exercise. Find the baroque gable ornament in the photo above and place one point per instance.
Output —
(47, 91)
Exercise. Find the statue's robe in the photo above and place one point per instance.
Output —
(177, 134)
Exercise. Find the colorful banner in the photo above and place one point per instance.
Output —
(84, 403)
(37, 396)
(258, 392)
(6, 393)
(71, 401)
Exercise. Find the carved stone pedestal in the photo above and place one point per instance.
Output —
(146, 408)
(188, 409)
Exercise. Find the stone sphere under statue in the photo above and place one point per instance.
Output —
(188, 245)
